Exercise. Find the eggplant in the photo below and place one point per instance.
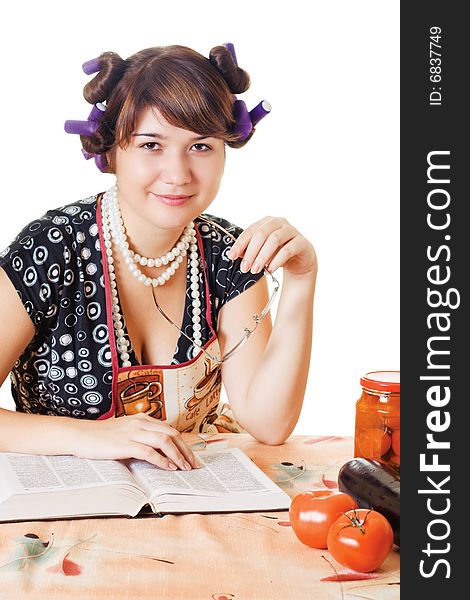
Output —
(373, 484)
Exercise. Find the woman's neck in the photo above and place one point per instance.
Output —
(145, 238)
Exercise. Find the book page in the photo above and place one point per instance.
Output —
(40, 473)
(226, 472)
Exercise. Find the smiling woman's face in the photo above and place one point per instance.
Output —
(163, 160)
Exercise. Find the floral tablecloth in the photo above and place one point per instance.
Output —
(238, 556)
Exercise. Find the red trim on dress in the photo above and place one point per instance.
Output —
(109, 319)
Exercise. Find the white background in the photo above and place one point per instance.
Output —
(326, 158)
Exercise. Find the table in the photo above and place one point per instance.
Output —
(238, 556)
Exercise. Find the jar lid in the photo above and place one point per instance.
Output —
(382, 381)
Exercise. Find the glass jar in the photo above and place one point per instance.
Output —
(377, 431)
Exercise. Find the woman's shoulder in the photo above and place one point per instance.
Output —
(218, 222)
(217, 232)
(57, 226)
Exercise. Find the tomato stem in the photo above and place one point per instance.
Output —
(356, 522)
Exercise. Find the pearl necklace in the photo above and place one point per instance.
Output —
(113, 231)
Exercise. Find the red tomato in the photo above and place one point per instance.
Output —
(311, 514)
(360, 539)
(373, 442)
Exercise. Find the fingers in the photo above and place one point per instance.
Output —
(244, 238)
(170, 442)
(283, 256)
(150, 455)
(186, 450)
(165, 443)
(265, 243)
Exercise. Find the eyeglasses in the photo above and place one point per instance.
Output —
(247, 331)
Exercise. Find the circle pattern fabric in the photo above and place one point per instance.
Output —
(55, 264)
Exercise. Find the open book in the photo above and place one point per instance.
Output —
(46, 487)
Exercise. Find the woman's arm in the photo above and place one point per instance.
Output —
(127, 437)
(266, 380)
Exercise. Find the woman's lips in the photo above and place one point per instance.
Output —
(172, 200)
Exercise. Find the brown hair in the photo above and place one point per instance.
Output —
(189, 90)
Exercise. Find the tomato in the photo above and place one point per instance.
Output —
(360, 539)
(396, 441)
(312, 512)
(373, 442)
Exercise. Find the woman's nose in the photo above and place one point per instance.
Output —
(176, 171)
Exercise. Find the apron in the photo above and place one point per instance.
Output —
(186, 395)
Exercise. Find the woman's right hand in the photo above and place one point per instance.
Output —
(137, 436)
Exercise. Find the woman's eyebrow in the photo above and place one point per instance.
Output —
(163, 137)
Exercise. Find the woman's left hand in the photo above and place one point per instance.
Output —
(271, 243)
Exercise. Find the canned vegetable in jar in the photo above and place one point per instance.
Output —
(377, 431)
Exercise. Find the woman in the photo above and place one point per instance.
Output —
(96, 295)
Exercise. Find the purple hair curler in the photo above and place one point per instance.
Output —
(86, 128)
(244, 120)
(259, 112)
(243, 125)
(231, 48)
(97, 112)
(89, 126)
(92, 66)
(99, 161)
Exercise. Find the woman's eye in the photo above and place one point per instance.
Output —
(202, 147)
(148, 144)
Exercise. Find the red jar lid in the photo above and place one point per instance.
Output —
(382, 381)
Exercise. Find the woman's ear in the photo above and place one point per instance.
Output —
(111, 160)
